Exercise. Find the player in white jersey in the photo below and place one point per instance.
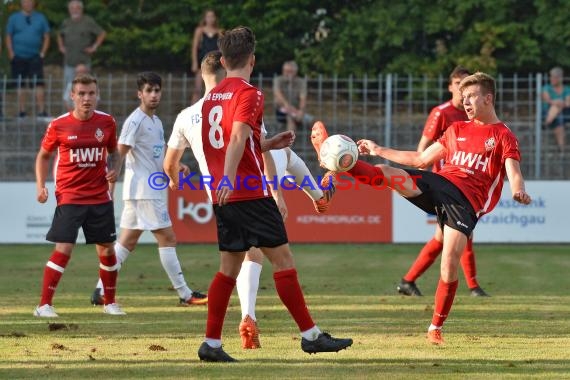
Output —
(187, 133)
(145, 209)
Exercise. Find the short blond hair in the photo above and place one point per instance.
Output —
(485, 81)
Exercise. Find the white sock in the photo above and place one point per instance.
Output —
(247, 284)
(311, 334)
(303, 177)
(171, 265)
(433, 327)
(214, 343)
(122, 255)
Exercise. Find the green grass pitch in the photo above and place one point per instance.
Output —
(522, 331)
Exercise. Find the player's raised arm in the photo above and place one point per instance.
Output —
(234, 152)
(516, 181)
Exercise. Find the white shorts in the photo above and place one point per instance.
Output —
(145, 214)
(280, 158)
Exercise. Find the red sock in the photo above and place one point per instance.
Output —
(52, 273)
(425, 259)
(219, 295)
(468, 265)
(108, 275)
(291, 295)
(444, 296)
(367, 174)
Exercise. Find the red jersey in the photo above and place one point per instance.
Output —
(437, 122)
(233, 99)
(475, 160)
(81, 163)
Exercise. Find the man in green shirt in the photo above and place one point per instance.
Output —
(78, 38)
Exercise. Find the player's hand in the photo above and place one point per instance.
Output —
(111, 176)
(185, 169)
(367, 147)
(522, 197)
(224, 195)
(42, 195)
(283, 140)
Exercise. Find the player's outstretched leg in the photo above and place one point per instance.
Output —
(247, 284)
(470, 270)
(320, 195)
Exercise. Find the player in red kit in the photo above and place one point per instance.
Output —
(83, 140)
(478, 153)
(437, 122)
(246, 214)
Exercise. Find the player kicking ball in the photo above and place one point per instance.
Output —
(478, 153)
(145, 209)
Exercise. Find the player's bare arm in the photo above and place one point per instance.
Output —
(171, 166)
(279, 141)
(270, 172)
(42, 169)
(234, 153)
(516, 181)
(409, 158)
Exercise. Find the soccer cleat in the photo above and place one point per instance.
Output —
(197, 298)
(325, 343)
(435, 337)
(97, 298)
(210, 354)
(249, 333)
(113, 309)
(408, 288)
(478, 292)
(45, 311)
(328, 185)
(318, 135)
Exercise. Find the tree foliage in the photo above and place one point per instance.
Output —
(337, 37)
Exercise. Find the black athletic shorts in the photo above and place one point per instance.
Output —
(29, 70)
(97, 221)
(245, 224)
(444, 199)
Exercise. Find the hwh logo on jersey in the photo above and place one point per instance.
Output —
(86, 154)
(471, 160)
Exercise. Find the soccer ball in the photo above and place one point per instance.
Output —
(338, 153)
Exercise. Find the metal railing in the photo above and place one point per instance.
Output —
(391, 109)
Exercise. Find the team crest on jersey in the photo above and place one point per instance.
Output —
(489, 144)
(99, 135)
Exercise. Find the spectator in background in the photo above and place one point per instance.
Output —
(556, 106)
(205, 40)
(78, 38)
(27, 42)
(290, 97)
